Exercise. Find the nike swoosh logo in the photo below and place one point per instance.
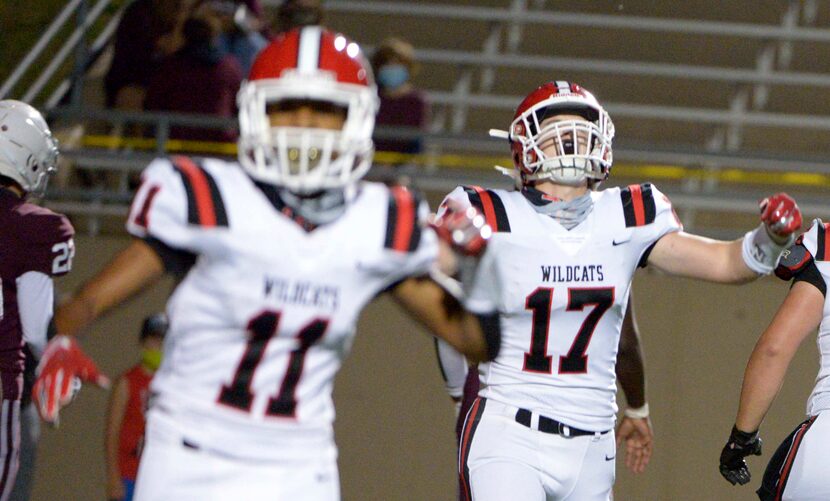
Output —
(614, 242)
(611, 458)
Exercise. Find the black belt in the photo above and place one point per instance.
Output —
(548, 425)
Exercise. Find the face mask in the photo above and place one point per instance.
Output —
(392, 76)
(151, 358)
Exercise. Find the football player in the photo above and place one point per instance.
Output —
(799, 468)
(277, 257)
(35, 245)
(562, 255)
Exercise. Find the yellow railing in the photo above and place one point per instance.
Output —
(486, 162)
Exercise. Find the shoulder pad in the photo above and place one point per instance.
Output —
(489, 204)
(638, 204)
(403, 225)
(204, 202)
(49, 247)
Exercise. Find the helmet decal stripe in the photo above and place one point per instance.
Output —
(308, 55)
(563, 87)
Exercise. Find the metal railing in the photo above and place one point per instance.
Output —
(75, 41)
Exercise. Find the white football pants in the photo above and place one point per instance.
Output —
(800, 469)
(170, 469)
(502, 460)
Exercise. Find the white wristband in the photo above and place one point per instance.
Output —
(638, 413)
(760, 252)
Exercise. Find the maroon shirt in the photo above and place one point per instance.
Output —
(196, 80)
(33, 239)
(134, 56)
(409, 110)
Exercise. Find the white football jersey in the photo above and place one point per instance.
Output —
(809, 260)
(562, 296)
(265, 314)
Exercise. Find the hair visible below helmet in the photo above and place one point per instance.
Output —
(308, 64)
(583, 146)
(28, 152)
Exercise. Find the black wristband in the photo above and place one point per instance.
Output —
(742, 437)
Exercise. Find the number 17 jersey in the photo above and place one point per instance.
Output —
(563, 295)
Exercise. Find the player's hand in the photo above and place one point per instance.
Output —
(781, 217)
(639, 442)
(60, 373)
(740, 445)
(465, 230)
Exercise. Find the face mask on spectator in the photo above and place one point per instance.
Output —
(151, 358)
(392, 76)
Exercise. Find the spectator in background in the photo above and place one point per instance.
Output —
(125, 416)
(401, 104)
(240, 32)
(198, 78)
(296, 13)
(148, 31)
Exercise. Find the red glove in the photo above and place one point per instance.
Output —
(465, 230)
(781, 216)
(60, 373)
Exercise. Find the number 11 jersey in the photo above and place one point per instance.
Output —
(266, 309)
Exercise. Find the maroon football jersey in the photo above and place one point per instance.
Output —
(33, 238)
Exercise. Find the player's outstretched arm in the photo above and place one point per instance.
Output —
(635, 426)
(798, 316)
(739, 261)
(478, 337)
(129, 272)
(64, 365)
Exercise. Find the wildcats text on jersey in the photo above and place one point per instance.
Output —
(576, 273)
(325, 297)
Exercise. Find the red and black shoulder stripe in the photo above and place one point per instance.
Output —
(204, 202)
(489, 204)
(403, 230)
(638, 204)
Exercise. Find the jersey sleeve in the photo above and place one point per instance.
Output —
(481, 283)
(798, 263)
(159, 211)
(35, 298)
(410, 247)
(650, 214)
(457, 197)
(49, 246)
(418, 255)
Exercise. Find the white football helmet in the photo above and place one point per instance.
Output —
(316, 65)
(582, 147)
(28, 152)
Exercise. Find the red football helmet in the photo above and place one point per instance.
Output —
(577, 149)
(308, 64)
